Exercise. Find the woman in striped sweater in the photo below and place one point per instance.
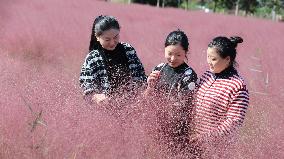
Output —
(222, 97)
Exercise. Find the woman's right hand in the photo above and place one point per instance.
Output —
(153, 78)
(99, 98)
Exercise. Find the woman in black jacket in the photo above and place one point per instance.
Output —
(111, 66)
(171, 86)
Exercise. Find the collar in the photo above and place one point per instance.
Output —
(180, 68)
(111, 52)
(227, 73)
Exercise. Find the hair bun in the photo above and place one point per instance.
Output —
(235, 40)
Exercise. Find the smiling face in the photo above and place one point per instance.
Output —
(175, 55)
(109, 39)
(216, 63)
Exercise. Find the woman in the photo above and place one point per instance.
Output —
(111, 67)
(222, 97)
(171, 86)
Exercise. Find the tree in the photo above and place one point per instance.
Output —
(151, 2)
(171, 3)
(249, 6)
(271, 8)
(237, 7)
(217, 5)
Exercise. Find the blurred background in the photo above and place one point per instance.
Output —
(270, 9)
(43, 45)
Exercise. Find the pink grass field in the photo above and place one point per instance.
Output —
(42, 47)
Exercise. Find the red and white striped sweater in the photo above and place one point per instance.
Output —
(221, 103)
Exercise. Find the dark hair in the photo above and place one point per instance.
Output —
(102, 23)
(226, 47)
(177, 37)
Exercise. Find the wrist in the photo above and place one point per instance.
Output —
(148, 91)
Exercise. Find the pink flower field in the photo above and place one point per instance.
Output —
(42, 47)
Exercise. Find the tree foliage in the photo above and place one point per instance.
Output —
(258, 7)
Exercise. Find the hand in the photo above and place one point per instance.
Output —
(153, 78)
(99, 98)
(195, 140)
(148, 92)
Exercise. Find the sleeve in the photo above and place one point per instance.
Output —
(185, 91)
(188, 83)
(235, 114)
(159, 67)
(88, 76)
(135, 65)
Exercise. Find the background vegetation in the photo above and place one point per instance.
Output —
(272, 9)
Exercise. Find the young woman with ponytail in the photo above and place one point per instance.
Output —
(111, 67)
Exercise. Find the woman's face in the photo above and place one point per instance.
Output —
(175, 55)
(216, 63)
(109, 39)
